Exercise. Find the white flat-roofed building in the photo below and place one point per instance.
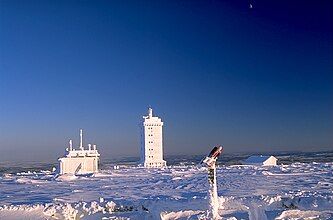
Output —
(80, 161)
(152, 141)
(261, 160)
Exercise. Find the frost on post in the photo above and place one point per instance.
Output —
(210, 162)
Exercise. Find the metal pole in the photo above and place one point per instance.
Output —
(213, 199)
(212, 193)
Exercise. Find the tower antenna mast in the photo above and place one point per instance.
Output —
(81, 143)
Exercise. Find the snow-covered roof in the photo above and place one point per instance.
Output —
(257, 159)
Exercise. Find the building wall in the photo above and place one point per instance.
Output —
(152, 142)
(78, 165)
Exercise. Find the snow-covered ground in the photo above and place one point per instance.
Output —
(295, 191)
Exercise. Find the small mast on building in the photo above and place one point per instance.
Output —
(80, 161)
(152, 141)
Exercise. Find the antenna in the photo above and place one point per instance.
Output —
(81, 144)
(70, 145)
(150, 112)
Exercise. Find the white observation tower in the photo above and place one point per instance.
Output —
(152, 141)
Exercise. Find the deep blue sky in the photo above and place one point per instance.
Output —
(217, 72)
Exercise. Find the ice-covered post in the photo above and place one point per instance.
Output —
(213, 201)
